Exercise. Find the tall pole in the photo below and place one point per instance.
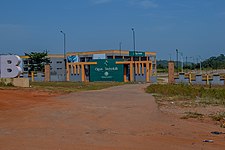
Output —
(177, 61)
(134, 54)
(120, 48)
(64, 49)
(186, 65)
(182, 62)
(200, 64)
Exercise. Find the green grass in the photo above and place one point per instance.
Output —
(218, 116)
(73, 86)
(3, 83)
(202, 94)
(192, 115)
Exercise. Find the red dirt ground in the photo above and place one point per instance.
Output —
(117, 118)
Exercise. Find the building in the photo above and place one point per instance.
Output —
(102, 65)
(57, 68)
(111, 65)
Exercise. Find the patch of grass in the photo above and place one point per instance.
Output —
(73, 86)
(4, 84)
(192, 115)
(219, 116)
(203, 94)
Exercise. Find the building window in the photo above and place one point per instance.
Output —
(109, 57)
(59, 62)
(25, 62)
(143, 58)
(59, 68)
(82, 59)
(127, 58)
(88, 58)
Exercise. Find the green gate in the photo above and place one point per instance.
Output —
(106, 70)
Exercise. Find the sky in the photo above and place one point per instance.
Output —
(195, 27)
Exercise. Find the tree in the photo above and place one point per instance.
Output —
(37, 61)
(215, 62)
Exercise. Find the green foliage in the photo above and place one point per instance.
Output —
(172, 90)
(218, 116)
(162, 64)
(73, 86)
(212, 62)
(192, 115)
(215, 95)
(215, 62)
(3, 83)
(37, 60)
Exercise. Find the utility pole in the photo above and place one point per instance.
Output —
(64, 49)
(182, 62)
(186, 65)
(177, 61)
(200, 64)
(120, 45)
(134, 54)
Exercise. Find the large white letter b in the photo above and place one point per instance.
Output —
(9, 66)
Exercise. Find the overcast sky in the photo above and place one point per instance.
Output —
(195, 27)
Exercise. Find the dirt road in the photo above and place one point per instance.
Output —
(117, 118)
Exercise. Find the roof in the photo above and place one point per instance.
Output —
(125, 52)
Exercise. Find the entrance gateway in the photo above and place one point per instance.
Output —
(112, 65)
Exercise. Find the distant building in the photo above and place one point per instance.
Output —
(102, 65)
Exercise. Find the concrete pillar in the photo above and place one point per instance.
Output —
(207, 79)
(190, 76)
(47, 73)
(82, 73)
(32, 76)
(68, 72)
(171, 72)
(131, 72)
(147, 72)
(136, 67)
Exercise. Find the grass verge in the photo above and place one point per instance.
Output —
(190, 100)
(73, 86)
(192, 115)
(198, 94)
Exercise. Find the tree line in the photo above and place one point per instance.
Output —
(210, 63)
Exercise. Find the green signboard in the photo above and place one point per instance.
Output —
(137, 53)
(106, 70)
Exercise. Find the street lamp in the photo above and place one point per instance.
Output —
(177, 60)
(120, 45)
(64, 48)
(134, 54)
(200, 64)
(182, 62)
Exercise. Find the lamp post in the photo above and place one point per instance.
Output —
(120, 45)
(64, 48)
(182, 62)
(134, 54)
(177, 61)
(200, 64)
